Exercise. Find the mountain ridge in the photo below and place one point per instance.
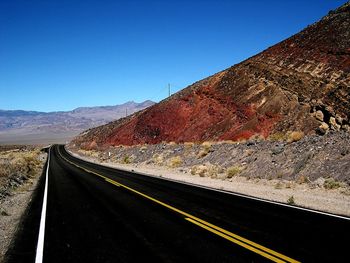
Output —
(20, 124)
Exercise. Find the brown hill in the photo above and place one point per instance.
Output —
(301, 83)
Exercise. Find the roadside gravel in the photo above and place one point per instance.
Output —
(336, 201)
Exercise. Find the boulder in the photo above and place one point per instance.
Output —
(319, 115)
(323, 128)
(334, 125)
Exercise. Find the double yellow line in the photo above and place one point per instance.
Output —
(241, 241)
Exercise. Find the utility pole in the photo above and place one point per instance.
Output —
(169, 89)
(126, 112)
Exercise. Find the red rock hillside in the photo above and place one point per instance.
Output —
(300, 84)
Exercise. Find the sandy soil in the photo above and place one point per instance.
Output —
(336, 201)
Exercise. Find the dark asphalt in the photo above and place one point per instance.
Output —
(91, 220)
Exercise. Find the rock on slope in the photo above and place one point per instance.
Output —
(301, 83)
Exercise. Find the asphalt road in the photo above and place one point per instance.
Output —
(100, 214)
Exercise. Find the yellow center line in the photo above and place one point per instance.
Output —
(113, 182)
(241, 241)
(272, 258)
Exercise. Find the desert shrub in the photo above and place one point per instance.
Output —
(201, 170)
(257, 137)
(194, 170)
(279, 175)
(206, 148)
(20, 164)
(291, 200)
(295, 136)
(278, 136)
(207, 145)
(302, 179)
(206, 170)
(188, 145)
(32, 162)
(279, 185)
(214, 170)
(331, 184)
(233, 171)
(158, 159)
(91, 153)
(127, 159)
(175, 161)
(4, 168)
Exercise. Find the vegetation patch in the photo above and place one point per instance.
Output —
(199, 169)
(291, 201)
(331, 184)
(279, 185)
(188, 145)
(158, 159)
(278, 136)
(17, 166)
(302, 179)
(206, 148)
(233, 171)
(295, 136)
(127, 159)
(175, 162)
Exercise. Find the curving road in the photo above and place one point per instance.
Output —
(91, 213)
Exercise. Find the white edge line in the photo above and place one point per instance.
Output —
(40, 245)
(218, 190)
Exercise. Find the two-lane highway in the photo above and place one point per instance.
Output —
(99, 214)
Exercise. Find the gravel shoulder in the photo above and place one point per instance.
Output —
(12, 209)
(336, 201)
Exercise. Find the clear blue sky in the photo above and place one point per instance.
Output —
(59, 55)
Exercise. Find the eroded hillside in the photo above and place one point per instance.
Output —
(300, 84)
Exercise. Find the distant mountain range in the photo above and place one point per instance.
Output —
(18, 126)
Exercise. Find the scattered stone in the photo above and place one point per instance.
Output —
(334, 125)
(314, 156)
(3, 212)
(339, 119)
(323, 128)
(346, 128)
(319, 115)
(344, 152)
(319, 182)
(279, 148)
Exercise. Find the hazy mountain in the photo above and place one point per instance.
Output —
(18, 126)
(299, 84)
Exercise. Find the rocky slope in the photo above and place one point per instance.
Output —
(300, 84)
(313, 172)
(307, 160)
